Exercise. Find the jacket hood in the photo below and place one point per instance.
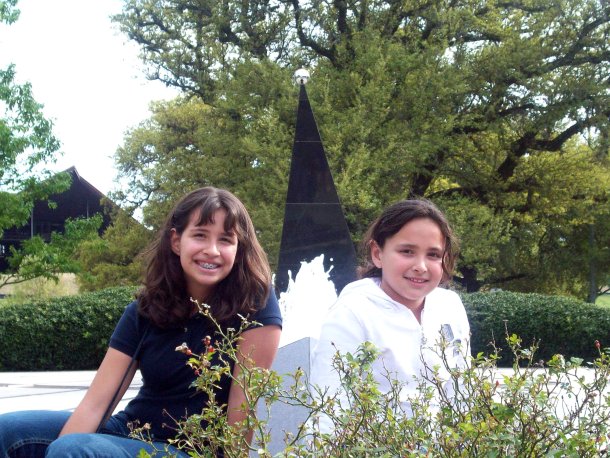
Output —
(369, 288)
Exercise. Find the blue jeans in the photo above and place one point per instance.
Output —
(34, 433)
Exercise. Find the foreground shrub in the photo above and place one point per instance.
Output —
(557, 324)
(548, 409)
(64, 333)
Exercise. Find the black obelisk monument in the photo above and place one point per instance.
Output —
(313, 219)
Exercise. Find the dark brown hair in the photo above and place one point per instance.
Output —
(165, 299)
(393, 219)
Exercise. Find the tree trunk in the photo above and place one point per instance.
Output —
(469, 279)
(592, 267)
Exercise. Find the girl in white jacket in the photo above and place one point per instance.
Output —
(398, 304)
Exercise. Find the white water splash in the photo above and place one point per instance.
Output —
(306, 301)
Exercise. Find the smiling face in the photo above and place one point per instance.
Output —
(207, 253)
(411, 262)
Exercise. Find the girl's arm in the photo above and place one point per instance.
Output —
(256, 347)
(88, 414)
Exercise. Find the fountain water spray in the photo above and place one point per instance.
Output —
(305, 303)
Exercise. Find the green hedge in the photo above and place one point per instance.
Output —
(561, 324)
(66, 333)
(71, 333)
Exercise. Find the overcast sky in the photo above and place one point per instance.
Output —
(87, 76)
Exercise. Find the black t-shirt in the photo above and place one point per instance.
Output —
(166, 394)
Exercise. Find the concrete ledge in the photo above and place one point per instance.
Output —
(284, 418)
(61, 390)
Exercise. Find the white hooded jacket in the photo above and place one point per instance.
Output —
(364, 312)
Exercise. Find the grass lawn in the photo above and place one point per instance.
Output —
(40, 288)
(603, 300)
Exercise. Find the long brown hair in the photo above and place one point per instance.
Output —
(393, 219)
(165, 299)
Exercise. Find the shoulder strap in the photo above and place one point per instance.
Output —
(114, 399)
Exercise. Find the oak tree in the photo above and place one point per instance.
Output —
(496, 110)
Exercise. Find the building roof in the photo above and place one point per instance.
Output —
(80, 199)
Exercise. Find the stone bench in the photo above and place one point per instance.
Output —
(285, 418)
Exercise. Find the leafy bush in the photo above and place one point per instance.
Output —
(114, 258)
(551, 409)
(558, 324)
(65, 333)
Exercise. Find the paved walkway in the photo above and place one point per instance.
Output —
(50, 390)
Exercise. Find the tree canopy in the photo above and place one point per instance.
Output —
(496, 110)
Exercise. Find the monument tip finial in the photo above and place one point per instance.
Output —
(301, 76)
